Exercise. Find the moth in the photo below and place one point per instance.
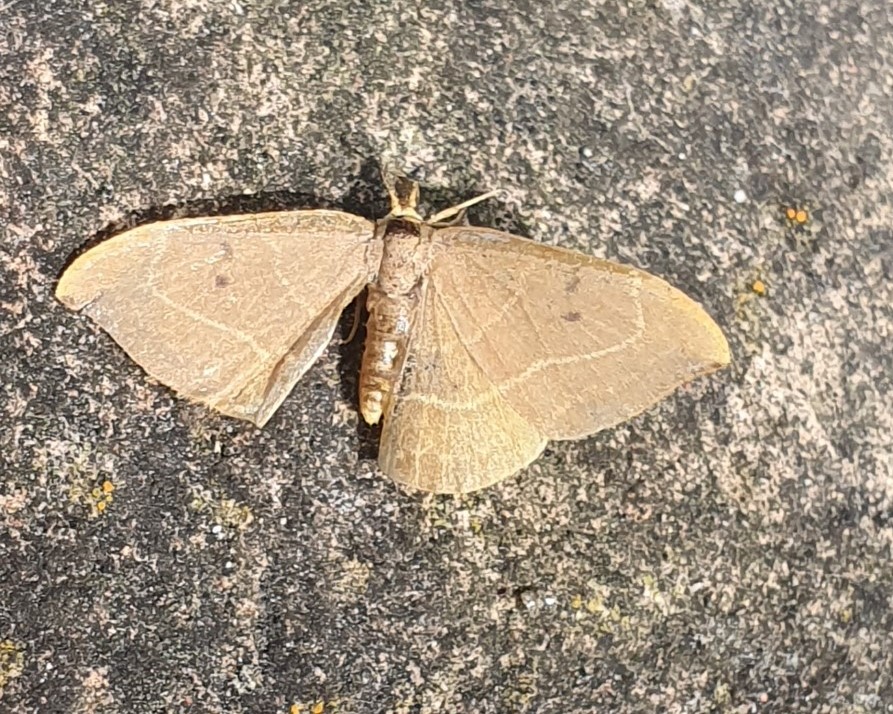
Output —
(481, 346)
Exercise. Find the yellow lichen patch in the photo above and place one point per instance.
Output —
(722, 695)
(462, 514)
(349, 579)
(12, 663)
(608, 619)
(232, 515)
(595, 605)
(207, 435)
(758, 287)
(439, 513)
(225, 512)
(103, 495)
(80, 472)
(97, 499)
(317, 707)
(653, 596)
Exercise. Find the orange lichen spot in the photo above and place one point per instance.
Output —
(759, 287)
(318, 708)
(798, 216)
(101, 497)
(295, 709)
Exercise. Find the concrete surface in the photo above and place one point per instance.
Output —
(728, 551)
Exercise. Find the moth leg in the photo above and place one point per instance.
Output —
(355, 325)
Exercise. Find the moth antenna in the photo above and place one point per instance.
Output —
(442, 216)
(458, 219)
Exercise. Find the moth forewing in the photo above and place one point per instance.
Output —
(575, 344)
(228, 311)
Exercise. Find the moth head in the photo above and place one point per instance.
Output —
(404, 195)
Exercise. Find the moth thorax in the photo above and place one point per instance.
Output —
(404, 257)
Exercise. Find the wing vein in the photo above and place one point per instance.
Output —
(202, 319)
(500, 316)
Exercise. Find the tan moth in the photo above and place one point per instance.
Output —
(481, 346)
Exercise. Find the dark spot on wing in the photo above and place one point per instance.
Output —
(572, 316)
(221, 281)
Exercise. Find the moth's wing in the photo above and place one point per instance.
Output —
(228, 311)
(573, 343)
(448, 430)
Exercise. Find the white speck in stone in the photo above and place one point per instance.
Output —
(740, 196)
(217, 529)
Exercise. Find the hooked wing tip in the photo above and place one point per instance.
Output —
(705, 340)
(718, 352)
(73, 289)
(81, 282)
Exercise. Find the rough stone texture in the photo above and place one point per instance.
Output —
(729, 551)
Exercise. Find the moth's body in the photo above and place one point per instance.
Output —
(392, 302)
(481, 346)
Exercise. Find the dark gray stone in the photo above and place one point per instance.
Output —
(729, 551)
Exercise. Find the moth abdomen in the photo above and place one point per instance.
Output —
(387, 335)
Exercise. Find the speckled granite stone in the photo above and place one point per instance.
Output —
(728, 551)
